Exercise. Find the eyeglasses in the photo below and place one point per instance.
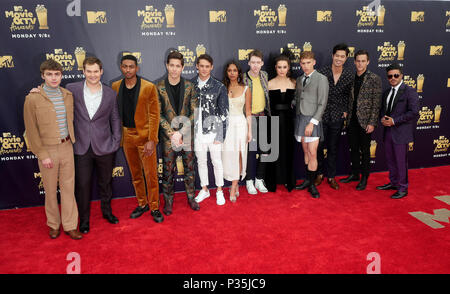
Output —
(393, 76)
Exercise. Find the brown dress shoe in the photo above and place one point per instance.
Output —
(318, 180)
(74, 234)
(54, 233)
(333, 184)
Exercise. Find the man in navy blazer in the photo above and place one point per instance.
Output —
(98, 132)
(399, 112)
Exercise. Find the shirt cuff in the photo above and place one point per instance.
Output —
(314, 121)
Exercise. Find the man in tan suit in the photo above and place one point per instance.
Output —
(139, 113)
(48, 117)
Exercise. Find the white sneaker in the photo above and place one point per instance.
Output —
(202, 195)
(259, 184)
(250, 188)
(220, 199)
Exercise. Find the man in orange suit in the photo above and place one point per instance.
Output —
(139, 112)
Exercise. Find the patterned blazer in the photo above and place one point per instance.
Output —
(189, 100)
(368, 101)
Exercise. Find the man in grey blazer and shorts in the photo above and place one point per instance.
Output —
(310, 99)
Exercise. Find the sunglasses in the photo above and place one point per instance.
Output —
(393, 76)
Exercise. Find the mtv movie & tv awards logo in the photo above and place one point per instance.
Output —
(28, 23)
(68, 61)
(371, 19)
(389, 53)
(157, 22)
(190, 57)
(269, 21)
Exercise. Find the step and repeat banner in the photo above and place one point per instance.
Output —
(415, 34)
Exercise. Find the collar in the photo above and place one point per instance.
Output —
(86, 88)
(309, 74)
(397, 87)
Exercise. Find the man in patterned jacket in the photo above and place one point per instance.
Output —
(177, 101)
(210, 126)
(364, 108)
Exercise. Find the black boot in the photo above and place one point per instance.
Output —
(168, 204)
(312, 187)
(193, 204)
(306, 182)
(362, 184)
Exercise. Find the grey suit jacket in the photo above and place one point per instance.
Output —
(104, 131)
(312, 99)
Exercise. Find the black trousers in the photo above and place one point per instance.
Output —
(84, 167)
(332, 134)
(359, 142)
(255, 167)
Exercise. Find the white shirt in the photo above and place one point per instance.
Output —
(388, 99)
(92, 100)
(203, 138)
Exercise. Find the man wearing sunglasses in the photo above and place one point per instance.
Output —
(399, 113)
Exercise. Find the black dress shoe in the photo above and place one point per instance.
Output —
(362, 184)
(306, 183)
(139, 211)
(314, 192)
(111, 218)
(193, 204)
(399, 194)
(350, 178)
(157, 216)
(84, 228)
(388, 186)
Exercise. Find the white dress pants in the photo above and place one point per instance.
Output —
(215, 151)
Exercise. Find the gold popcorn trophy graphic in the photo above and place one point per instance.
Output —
(411, 146)
(373, 148)
(170, 15)
(381, 14)
(282, 11)
(200, 49)
(80, 55)
(307, 46)
(180, 166)
(41, 12)
(437, 113)
(420, 80)
(401, 50)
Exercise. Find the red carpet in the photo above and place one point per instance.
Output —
(271, 233)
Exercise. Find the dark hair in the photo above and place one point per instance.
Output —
(92, 60)
(362, 52)
(50, 64)
(284, 57)
(206, 57)
(256, 53)
(226, 80)
(341, 46)
(175, 55)
(129, 57)
(394, 66)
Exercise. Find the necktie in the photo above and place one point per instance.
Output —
(389, 108)
(304, 81)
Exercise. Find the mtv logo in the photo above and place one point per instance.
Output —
(6, 61)
(58, 51)
(436, 50)
(243, 53)
(138, 55)
(118, 172)
(217, 16)
(324, 15)
(96, 16)
(417, 16)
(18, 8)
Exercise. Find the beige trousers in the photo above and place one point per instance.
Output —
(62, 173)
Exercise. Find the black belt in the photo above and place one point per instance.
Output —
(281, 107)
